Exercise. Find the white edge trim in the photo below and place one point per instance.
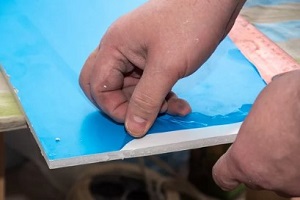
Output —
(159, 143)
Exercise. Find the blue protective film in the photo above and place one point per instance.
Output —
(43, 45)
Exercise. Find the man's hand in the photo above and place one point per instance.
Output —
(266, 153)
(144, 53)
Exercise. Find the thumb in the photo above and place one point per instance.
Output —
(147, 99)
(224, 173)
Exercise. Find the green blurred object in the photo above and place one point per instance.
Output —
(8, 105)
(200, 173)
(11, 116)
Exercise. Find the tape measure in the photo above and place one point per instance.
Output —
(268, 58)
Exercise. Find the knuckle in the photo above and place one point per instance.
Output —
(96, 90)
(114, 30)
(145, 103)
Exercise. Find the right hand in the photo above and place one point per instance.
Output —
(144, 53)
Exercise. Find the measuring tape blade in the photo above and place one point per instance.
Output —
(268, 58)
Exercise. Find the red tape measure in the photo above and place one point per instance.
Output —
(268, 58)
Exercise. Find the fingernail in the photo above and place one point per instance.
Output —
(136, 126)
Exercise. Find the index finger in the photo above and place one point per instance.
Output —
(108, 82)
